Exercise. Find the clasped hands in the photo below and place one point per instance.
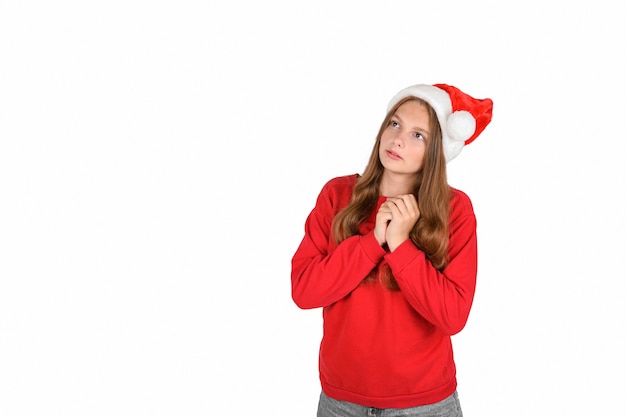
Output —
(395, 219)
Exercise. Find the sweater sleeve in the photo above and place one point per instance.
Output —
(321, 274)
(444, 298)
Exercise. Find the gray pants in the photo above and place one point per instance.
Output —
(329, 407)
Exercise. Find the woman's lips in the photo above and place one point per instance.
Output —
(393, 155)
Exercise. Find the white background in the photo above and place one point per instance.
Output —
(158, 160)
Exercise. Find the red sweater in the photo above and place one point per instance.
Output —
(383, 348)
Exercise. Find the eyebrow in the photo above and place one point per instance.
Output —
(421, 130)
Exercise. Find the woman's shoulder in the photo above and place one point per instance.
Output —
(460, 202)
(341, 183)
(338, 190)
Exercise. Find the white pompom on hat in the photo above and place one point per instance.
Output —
(462, 117)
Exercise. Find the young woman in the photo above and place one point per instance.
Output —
(391, 258)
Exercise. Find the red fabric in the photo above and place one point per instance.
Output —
(383, 348)
(481, 109)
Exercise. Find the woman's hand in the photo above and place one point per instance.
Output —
(404, 214)
(383, 217)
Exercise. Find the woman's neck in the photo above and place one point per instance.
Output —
(395, 185)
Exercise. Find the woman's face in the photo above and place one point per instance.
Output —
(403, 142)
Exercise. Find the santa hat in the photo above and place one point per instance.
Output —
(462, 117)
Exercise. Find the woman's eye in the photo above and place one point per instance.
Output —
(393, 124)
(419, 136)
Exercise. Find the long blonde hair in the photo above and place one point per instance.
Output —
(431, 190)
